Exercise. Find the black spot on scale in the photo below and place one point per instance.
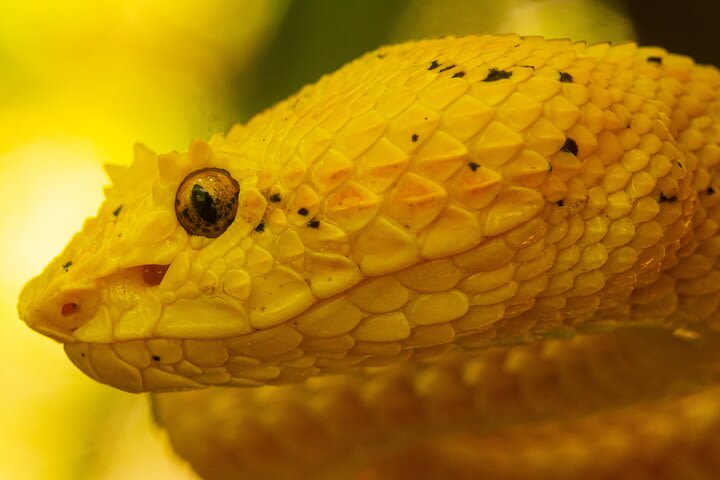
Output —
(66, 266)
(314, 223)
(458, 74)
(156, 358)
(473, 166)
(116, 212)
(560, 203)
(203, 204)
(414, 137)
(449, 67)
(433, 65)
(565, 77)
(303, 211)
(260, 227)
(657, 60)
(710, 190)
(664, 199)
(275, 198)
(570, 146)
(495, 74)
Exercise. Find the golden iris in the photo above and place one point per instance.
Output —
(206, 202)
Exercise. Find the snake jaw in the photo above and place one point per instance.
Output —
(128, 366)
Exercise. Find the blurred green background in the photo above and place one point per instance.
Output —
(80, 82)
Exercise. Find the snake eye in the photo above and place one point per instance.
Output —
(206, 202)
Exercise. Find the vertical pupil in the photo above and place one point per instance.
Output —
(203, 204)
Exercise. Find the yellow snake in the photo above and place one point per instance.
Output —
(489, 256)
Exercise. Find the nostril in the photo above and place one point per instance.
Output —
(153, 274)
(69, 309)
(73, 313)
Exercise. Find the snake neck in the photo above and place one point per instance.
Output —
(679, 278)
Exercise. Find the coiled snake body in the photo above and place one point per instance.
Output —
(488, 255)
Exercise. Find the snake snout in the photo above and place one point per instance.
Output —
(80, 310)
(60, 315)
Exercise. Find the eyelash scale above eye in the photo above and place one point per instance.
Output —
(206, 202)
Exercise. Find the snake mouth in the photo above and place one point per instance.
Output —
(53, 331)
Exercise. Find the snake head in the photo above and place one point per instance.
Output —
(168, 257)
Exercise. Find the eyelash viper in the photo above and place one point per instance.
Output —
(458, 257)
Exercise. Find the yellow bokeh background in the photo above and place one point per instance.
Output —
(80, 82)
